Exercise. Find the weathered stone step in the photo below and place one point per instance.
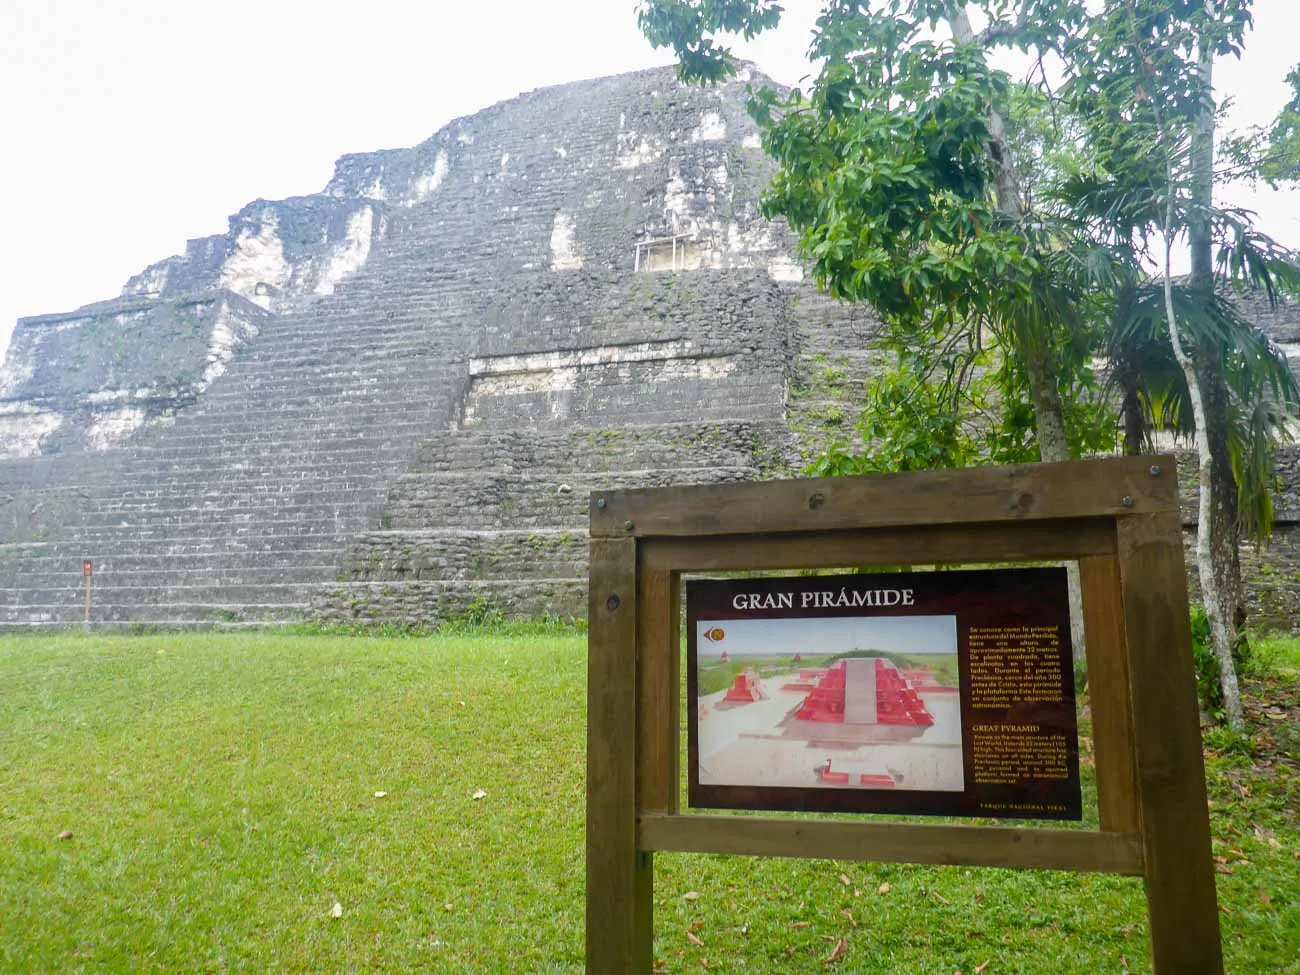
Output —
(453, 555)
(109, 575)
(601, 450)
(754, 412)
(421, 602)
(284, 519)
(241, 541)
(478, 500)
(194, 438)
(232, 495)
(197, 614)
(120, 592)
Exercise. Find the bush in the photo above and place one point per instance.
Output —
(1208, 688)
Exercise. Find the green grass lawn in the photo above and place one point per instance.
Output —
(220, 791)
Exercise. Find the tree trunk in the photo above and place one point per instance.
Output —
(1053, 445)
(1045, 391)
(1135, 426)
(1225, 529)
(1040, 368)
(1217, 528)
(1126, 376)
(1219, 632)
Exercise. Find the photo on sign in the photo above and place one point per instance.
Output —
(847, 702)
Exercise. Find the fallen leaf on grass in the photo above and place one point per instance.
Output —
(841, 949)
(844, 879)
(883, 889)
(691, 895)
(801, 924)
(380, 795)
(66, 834)
(696, 925)
(1267, 836)
(939, 897)
(480, 794)
(979, 969)
(694, 940)
(848, 914)
(337, 910)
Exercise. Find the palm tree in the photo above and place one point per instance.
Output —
(1261, 396)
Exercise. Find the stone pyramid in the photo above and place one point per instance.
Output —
(388, 401)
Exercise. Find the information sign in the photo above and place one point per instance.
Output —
(933, 693)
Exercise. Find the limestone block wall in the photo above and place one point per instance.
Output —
(275, 253)
(89, 379)
(1270, 572)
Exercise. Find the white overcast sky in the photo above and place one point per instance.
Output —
(131, 126)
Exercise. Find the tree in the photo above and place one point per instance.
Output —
(897, 169)
(1263, 395)
(896, 172)
(1140, 75)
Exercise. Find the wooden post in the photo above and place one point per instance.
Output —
(1108, 694)
(658, 659)
(1167, 744)
(87, 568)
(620, 927)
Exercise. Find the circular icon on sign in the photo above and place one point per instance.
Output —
(714, 634)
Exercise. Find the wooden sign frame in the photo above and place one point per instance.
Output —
(1117, 516)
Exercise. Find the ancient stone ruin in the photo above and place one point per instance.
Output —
(388, 401)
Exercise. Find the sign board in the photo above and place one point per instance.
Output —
(871, 695)
(939, 693)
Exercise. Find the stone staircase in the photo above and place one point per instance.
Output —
(835, 357)
(497, 519)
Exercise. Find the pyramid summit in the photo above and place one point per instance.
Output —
(388, 401)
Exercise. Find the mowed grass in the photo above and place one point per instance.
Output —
(221, 795)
